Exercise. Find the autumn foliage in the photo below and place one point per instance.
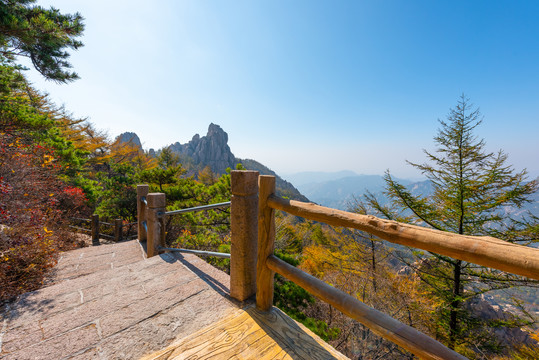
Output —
(33, 208)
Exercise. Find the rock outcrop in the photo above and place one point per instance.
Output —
(212, 150)
(129, 137)
(508, 336)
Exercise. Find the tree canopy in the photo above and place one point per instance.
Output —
(471, 187)
(42, 35)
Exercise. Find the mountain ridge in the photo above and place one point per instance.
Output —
(212, 150)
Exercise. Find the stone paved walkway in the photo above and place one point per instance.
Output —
(110, 302)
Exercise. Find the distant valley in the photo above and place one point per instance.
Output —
(331, 189)
(338, 189)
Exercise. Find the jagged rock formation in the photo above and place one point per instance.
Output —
(212, 150)
(129, 137)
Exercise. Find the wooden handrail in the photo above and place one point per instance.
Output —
(393, 330)
(151, 211)
(482, 250)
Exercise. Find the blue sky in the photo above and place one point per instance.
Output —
(308, 85)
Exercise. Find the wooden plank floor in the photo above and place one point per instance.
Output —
(250, 334)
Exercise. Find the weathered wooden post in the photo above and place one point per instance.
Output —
(118, 229)
(243, 228)
(266, 243)
(95, 229)
(155, 215)
(142, 192)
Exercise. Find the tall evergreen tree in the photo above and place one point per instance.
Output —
(471, 187)
(42, 35)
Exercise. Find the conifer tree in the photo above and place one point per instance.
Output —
(471, 187)
(41, 35)
(168, 158)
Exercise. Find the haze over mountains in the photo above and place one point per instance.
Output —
(338, 189)
(332, 189)
(212, 150)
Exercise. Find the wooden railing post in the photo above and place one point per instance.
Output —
(243, 228)
(266, 242)
(142, 191)
(118, 229)
(155, 215)
(95, 230)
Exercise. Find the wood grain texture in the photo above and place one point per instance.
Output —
(266, 241)
(243, 229)
(482, 250)
(384, 325)
(251, 334)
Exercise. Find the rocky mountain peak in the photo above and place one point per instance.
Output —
(212, 150)
(215, 131)
(129, 137)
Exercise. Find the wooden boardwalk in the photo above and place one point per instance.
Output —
(251, 334)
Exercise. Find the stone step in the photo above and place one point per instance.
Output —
(93, 259)
(111, 302)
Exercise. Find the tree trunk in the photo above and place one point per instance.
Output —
(455, 304)
(373, 265)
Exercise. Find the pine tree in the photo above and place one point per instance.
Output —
(167, 158)
(41, 35)
(470, 188)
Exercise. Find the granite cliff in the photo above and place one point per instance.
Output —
(129, 137)
(212, 150)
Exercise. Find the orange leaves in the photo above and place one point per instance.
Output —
(47, 159)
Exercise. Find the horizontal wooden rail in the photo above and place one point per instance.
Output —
(482, 250)
(382, 324)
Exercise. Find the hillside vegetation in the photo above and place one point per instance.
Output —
(54, 167)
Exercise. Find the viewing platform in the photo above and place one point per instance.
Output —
(126, 301)
(111, 302)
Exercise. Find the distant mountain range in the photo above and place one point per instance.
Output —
(338, 191)
(212, 150)
(332, 189)
(310, 177)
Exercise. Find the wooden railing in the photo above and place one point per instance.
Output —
(484, 251)
(95, 229)
(253, 263)
(151, 208)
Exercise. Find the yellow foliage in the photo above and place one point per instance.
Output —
(349, 264)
